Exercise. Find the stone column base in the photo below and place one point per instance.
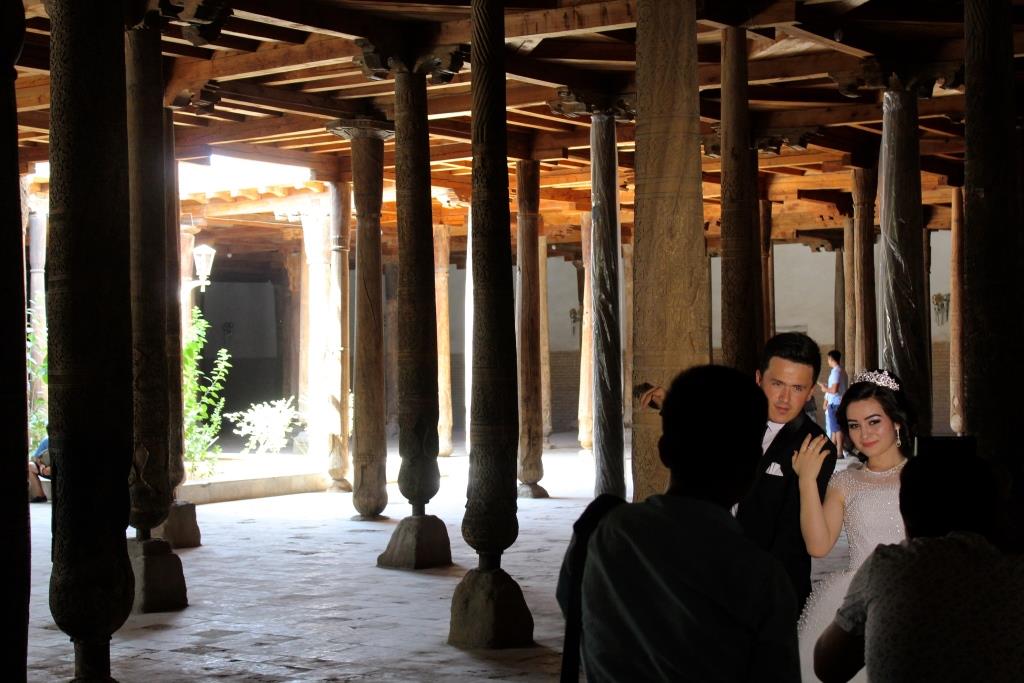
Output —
(532, 491)
(92, 661)
(369, 518)
(419, 542)
(180, 529)
(489, 611)
(159, 581)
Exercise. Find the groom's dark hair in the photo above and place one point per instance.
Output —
(712, 423)
(796, 347)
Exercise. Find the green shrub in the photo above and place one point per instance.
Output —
(38, 371)
(203, 404)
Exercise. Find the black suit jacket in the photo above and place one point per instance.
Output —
(770, 512)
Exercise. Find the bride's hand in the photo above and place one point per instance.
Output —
(807, 461)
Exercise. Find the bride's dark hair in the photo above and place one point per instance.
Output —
(878, 384)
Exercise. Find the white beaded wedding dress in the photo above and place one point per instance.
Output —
(871, 516)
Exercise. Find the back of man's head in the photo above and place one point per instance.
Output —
(945, 492)
(792, 346)
(713, 419)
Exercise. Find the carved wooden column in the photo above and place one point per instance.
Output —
(37, 291)
(14, 517)
(302, 325)
(905, 303)
(531, 425)
(585, 410)
(767, 268)
(391, 344)
(488, 608)
(992, 247)
(849, 332)
(442, 246)
(181, 529)
(421, 540)
(159, 580)
(672, 312)
(172, 292)
(91, 585)
(604, 259)
(370, 449)
(627, 333)
(545, 340)
(740, 225)
(865, 183)
(467, 336)
(956, 312)
(339, 465)
(293, 339)
(839, 301)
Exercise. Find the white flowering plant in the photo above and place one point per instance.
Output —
(266, 426)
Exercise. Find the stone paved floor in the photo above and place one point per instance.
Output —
(286, 589)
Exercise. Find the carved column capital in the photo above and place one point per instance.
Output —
(889, 74)
(442, 62)
(772, 139)
(381, 58)
(201, 102)
(362, 127)
(573, 102)
(203, 19)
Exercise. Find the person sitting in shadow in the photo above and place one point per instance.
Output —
(670, 589)
(39, 465)
(945, 605)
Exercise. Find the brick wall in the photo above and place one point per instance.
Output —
(565, 391)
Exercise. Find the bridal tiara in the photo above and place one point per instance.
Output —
(880, 377)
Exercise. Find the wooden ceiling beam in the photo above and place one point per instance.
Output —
(580, 18)
(293, 203)
(34, 120)
(252, 130)
(854, 113)
(263, 32)
(578, 50)
(781, 69)
(781, 160)
(289, 100)
(834, 39)
(324, 18)
(530, 70)
(191, 75)
(800, 97)
(750, 14)
(447, 106)
(225, 41)
(33, 153)
(317, 73)
(32, 93)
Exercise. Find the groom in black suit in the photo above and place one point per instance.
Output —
(770, 513)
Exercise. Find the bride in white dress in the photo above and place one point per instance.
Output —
(876, 418)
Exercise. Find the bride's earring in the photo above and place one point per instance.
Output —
(898, 442)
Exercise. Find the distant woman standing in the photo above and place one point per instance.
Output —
(837, 383)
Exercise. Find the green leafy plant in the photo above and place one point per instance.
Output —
(266, 426)
(37, 366)
(203, 403)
